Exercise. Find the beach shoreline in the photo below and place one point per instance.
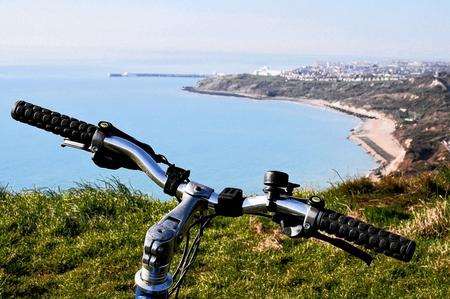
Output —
(375, 133)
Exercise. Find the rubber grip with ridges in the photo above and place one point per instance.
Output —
(59, 124)
(361, 233)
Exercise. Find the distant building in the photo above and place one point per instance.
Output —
(363, 71)
(266, 71)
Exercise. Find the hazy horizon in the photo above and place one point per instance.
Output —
(97, 30)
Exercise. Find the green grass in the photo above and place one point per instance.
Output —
(87, 242)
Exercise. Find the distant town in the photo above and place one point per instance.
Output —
(332, 71)
(360, 71)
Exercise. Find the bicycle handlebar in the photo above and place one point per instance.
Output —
(328, 221)
(309, 218)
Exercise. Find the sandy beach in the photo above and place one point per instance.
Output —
(375, 134)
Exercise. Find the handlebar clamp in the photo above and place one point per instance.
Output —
(230, 202)
(175, 177)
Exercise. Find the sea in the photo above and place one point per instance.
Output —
(224, 141)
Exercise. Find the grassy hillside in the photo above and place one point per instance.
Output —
(87, 242)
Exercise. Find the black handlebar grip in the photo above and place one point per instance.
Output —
(60, 124)
(361, 233)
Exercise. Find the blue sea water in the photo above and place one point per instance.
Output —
(223, 141)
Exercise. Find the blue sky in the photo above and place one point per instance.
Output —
(123, 29)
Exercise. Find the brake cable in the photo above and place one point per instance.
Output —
(189, 253)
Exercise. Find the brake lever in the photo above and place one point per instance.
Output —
(73, 144)
(349, 248)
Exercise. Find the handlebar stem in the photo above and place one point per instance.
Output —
(163, 238)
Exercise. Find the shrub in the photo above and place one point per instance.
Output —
(357, 186)
(430, 220)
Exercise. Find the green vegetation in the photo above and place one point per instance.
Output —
(87, 241)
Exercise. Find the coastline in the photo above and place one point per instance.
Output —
(375, 133)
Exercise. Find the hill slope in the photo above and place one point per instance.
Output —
(87, 241)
